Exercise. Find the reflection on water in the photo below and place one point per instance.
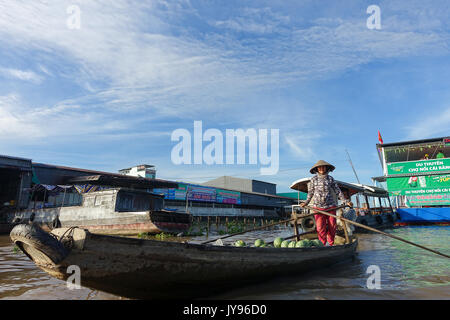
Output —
(21, 279)
(407, 272)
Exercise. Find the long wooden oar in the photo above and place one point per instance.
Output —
(375, 230)
(265, 226)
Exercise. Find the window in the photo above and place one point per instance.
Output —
(98, 200)
(125, 202)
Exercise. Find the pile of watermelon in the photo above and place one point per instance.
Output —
(305, 243)
(280, 243)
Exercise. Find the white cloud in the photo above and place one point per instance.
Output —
(131, 58)
(301, 147)
(255, 20)
(143, 61)
(14, 122)
(21, 123)
(24, 75)
(434, 125)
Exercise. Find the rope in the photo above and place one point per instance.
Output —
(69, 242)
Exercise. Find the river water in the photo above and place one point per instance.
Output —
(406, 272)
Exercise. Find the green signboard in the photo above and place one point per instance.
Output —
(422, 190)
(418, 167)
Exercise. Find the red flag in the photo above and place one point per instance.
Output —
(379, 137)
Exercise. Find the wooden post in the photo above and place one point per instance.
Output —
(347, 240)
(381, 205)
(390, 205)
(254, 222)
(217, 222)
(207, 230)
(369, 211)
(226, 224)
(294, 214)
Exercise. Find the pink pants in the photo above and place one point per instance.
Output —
(326, 226)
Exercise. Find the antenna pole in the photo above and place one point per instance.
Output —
(354, 171)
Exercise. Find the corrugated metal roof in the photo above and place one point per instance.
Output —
(412, 142)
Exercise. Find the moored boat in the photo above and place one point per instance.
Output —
(417, 175)
(140, 268)
(100, 209)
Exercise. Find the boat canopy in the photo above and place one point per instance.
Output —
(124, 181)
(346, 187)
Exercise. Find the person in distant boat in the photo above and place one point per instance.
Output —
(440, 155)
(364, 210)
(425, 157)
(321, 190)
(349, 214)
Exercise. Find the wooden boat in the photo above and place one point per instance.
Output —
(115, 211)
(376, 217)
(146, 269)
(103, 203)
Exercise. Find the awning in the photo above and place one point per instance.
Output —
(50, 189)
(124, 181)
(346, 187)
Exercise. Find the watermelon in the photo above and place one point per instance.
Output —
(239, 243)
(298, 244)
(284, 244)
(277, 242)
(317, 243)
(304, 243)
(292, 244)
(259, 243)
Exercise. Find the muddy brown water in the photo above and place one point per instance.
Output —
(407, 272)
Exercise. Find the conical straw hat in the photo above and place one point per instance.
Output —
(319, 163)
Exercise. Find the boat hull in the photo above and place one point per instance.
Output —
(424, 216)
(146, 269)
(379, 222)
(114, 223)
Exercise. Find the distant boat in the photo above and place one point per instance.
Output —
(106, 210)
(417, 175)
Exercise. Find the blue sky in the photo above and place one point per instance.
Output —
(108, 95)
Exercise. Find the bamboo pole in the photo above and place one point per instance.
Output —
(378, 231)
(294, 213)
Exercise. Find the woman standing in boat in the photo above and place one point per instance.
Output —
(322, 190)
